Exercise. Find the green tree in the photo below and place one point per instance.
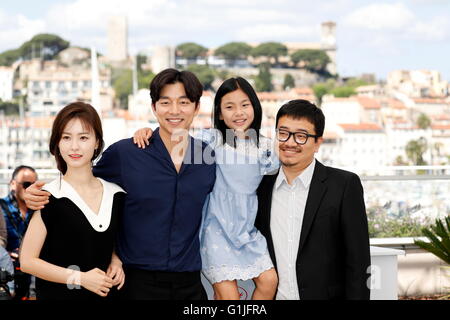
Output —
(356, 82)
(43, 45)
(191, 50)
(7, 58)
(233, 50)
(311, 59)
(204, 73)
(263, 81)
(140, 60)
(122, 83)
(144, 79)
(9, 108)
(47, 45)
(289, 81)
(343, 92)
(269, 49)
(415, 149)
(423, 122)
(400, 162)
(144, 76)
(323, 88)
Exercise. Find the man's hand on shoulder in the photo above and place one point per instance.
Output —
(34, 197)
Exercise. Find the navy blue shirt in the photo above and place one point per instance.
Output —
(163, 208)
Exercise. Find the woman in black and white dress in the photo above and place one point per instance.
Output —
(69, 244)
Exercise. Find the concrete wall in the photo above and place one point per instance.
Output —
(422, 273)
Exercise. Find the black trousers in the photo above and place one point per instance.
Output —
(161, 285)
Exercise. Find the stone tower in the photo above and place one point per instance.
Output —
(117, 48)
(328, 43)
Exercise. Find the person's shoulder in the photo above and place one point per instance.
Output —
(54, 187)
(123, 143)
(124, 146)
(111, 188)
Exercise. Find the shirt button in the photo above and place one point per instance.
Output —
(100, 226)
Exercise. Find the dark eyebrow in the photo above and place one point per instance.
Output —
(299, 130)
(78, 133)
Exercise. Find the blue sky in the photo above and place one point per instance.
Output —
(372, 36)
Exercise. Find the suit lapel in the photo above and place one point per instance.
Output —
(317, 190)
(266, 208)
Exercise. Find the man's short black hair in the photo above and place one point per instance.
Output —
(192, 86)
(20, 168)
(303, 109)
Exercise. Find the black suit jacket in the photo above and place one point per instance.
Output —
(334, 254)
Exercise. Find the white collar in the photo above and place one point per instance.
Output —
(305, 177)
(60, 188)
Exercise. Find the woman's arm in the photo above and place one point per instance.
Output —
(94, 280)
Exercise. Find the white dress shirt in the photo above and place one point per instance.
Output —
(288, 208)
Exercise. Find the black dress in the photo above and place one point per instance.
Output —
(77, 238)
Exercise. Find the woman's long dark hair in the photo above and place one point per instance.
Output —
(231, 85)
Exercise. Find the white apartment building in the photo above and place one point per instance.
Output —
(398, 136)
(25, 142)
(6, 83)
(351, 110)
(418, 83)
(51, 86)
(361, 145)
(429, 106)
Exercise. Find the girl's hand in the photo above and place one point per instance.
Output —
(96, 281)
(142, 137)
(115, 272)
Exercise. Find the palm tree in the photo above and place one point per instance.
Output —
(439, 236)
(439, 245)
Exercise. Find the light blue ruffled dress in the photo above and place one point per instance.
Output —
(231, 247)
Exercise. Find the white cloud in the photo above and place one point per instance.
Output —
(435, 30)
(275, 32)
(380, 16)
(17, 29)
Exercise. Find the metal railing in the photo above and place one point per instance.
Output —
(401, 187)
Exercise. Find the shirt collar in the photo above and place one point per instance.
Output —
(305, 177)
(100, 221)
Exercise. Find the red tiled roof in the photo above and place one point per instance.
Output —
(303, 91)
(365, 102)
(440, 127)
(396, 104)
(360, 127)
(296, 93)
(429, 101)
(441, 117)
(369, 103)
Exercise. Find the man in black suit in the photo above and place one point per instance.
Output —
(313, 216)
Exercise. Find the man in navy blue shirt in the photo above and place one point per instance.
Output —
(167, 185)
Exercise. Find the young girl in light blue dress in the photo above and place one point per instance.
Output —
(231, 247)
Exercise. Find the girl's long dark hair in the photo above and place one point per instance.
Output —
(231, 85)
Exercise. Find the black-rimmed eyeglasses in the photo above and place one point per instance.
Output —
(300, 137)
